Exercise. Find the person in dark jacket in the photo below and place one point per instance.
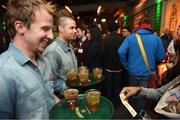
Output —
(81, 44)
(166, 38)
(112, 66)
(93, 57)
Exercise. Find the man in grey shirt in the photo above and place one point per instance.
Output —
(25, 86)
(60, 52)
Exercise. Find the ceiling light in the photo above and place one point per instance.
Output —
(78, 17)
(99, 9)
(95, 19)
(67, 8)
(140, 3)
(3, 6)
(103, 20)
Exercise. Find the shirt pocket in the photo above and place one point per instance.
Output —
(32, 100)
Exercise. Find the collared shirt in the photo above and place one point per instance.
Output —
(82, 40)
(62, 59)
(24, 87)
(48, 81)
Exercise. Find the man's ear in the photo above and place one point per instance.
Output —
(84, 32)
(19, 26)
(60, 28)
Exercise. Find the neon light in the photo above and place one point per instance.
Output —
(124, 20)
(158, 12)
(158, 1)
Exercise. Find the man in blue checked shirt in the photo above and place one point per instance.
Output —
(60, 52)
(26, 91)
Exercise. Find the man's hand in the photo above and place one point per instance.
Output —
(56, 99)
(130, 91)
(171, 99)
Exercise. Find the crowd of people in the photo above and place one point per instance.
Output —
(35, 65)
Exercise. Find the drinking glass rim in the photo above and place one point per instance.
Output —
(93, 90)
(77, 91)
(97, 68)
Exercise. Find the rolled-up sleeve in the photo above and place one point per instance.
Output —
(156, 94)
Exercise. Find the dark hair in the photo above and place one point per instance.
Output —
(113, 26)
(62, 13)
(127, 28)
(81, 28)
(145, 21)
(95, 34)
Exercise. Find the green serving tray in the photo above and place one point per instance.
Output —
(105, 110)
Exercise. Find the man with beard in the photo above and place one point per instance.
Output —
(60, 52)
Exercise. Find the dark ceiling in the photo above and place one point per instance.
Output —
(72, 3)
(87, 8)
(82, 2)
(76, 2)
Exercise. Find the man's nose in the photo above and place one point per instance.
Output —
(50, 35)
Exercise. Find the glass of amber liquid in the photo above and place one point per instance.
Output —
(93, 99)
(71, 97)
(84, 76)
(82, 68)
(97, 73)
(72, 76)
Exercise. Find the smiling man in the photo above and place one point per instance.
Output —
(25, 86)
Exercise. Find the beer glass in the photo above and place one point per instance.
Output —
(84, 75)
(93, 99)
(72, 76)
(97, 73)
(71, 97)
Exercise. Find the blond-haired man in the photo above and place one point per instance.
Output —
(25, 86)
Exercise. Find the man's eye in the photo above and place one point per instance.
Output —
(45, 28)
(73, 28)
